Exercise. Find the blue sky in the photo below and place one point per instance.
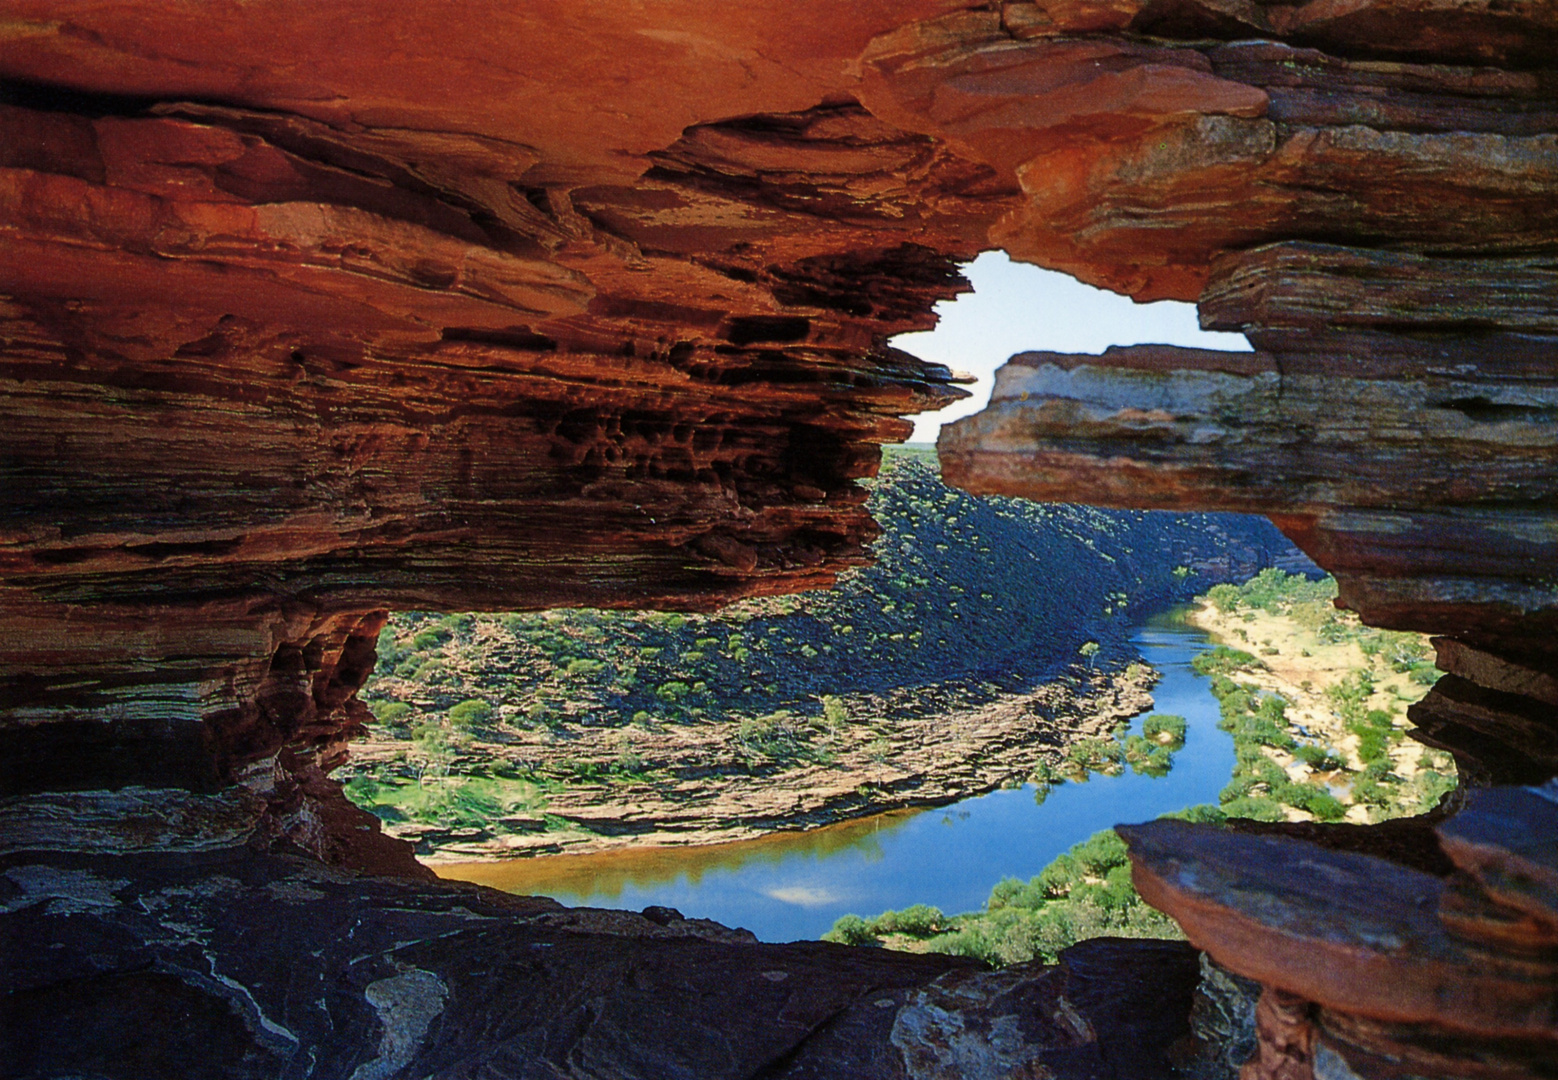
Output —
(1015, 307)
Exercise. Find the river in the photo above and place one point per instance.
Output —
(793, 885)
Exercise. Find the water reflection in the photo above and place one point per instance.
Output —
(607, 875)
(793, 885)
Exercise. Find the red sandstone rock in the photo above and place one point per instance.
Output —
(306, 313)
(1496, 737)
(270, 372)
(1356, 933)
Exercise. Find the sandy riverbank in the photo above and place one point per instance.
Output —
(1295, 662)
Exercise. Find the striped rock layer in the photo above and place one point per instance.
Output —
(312, 312)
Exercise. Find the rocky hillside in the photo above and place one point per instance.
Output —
(996, 620)
(967, 595)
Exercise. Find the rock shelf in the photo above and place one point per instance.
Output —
(312, 312)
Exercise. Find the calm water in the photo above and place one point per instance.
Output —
(790, 886)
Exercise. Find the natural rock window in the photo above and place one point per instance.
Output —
(314, 312)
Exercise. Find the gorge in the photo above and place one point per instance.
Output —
(310, 313)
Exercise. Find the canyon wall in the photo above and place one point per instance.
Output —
(1375, 210)
(311, 312)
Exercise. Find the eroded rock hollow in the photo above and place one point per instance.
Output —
(308, 313)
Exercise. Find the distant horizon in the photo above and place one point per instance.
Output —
(1018, 308)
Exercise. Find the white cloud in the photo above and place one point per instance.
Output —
(807, 896)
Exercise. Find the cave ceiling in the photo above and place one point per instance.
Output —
(309, 312)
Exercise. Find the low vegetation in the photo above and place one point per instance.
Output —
(1284, 770)
(1084, 893)
(1350, 757)
(960, 607)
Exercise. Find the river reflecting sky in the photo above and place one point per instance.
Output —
(789, 886)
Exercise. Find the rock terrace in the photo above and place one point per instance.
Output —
(306, 315)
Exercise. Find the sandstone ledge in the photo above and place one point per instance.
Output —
(308, 314)
(331, 975)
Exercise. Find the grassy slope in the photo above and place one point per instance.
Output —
(969, 598)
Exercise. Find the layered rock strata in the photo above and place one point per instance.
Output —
(273, 368)
(310, 313)
(1375, 968)
(1381, 231)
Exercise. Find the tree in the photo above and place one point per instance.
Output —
(429, 752)
(1089, 650)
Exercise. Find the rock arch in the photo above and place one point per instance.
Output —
(308, 314)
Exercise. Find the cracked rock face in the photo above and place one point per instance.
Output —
(365, 978)
(1379, 226)
(272, 367)
(309, 314)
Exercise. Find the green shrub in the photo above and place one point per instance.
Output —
(390, 654)
(1014, 892)
(1369, 791)
(1164, 728)
(672, 691)
(1100, 852)
(1201, 814)
(919, 920)
(1255, 807)
(434, 672)
(429, 639)
(361, 790)
(1372, 744)
(833, 710)
(1319, 758)
(470, 714)
(1322, 804)
(390, 712)
(1222, 660)
(1261, 730)
(1430, 786)
(1224, 597)
(851, 930)
(1095, 755)
(1268, 772)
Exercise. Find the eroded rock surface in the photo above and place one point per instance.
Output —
(310, 313)
(1371, 966)
(362, 977)
(479, 339)
(1364, 223)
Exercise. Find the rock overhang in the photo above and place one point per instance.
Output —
(307, 316)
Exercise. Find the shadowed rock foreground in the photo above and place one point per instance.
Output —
(372, 977)
(308, 314)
